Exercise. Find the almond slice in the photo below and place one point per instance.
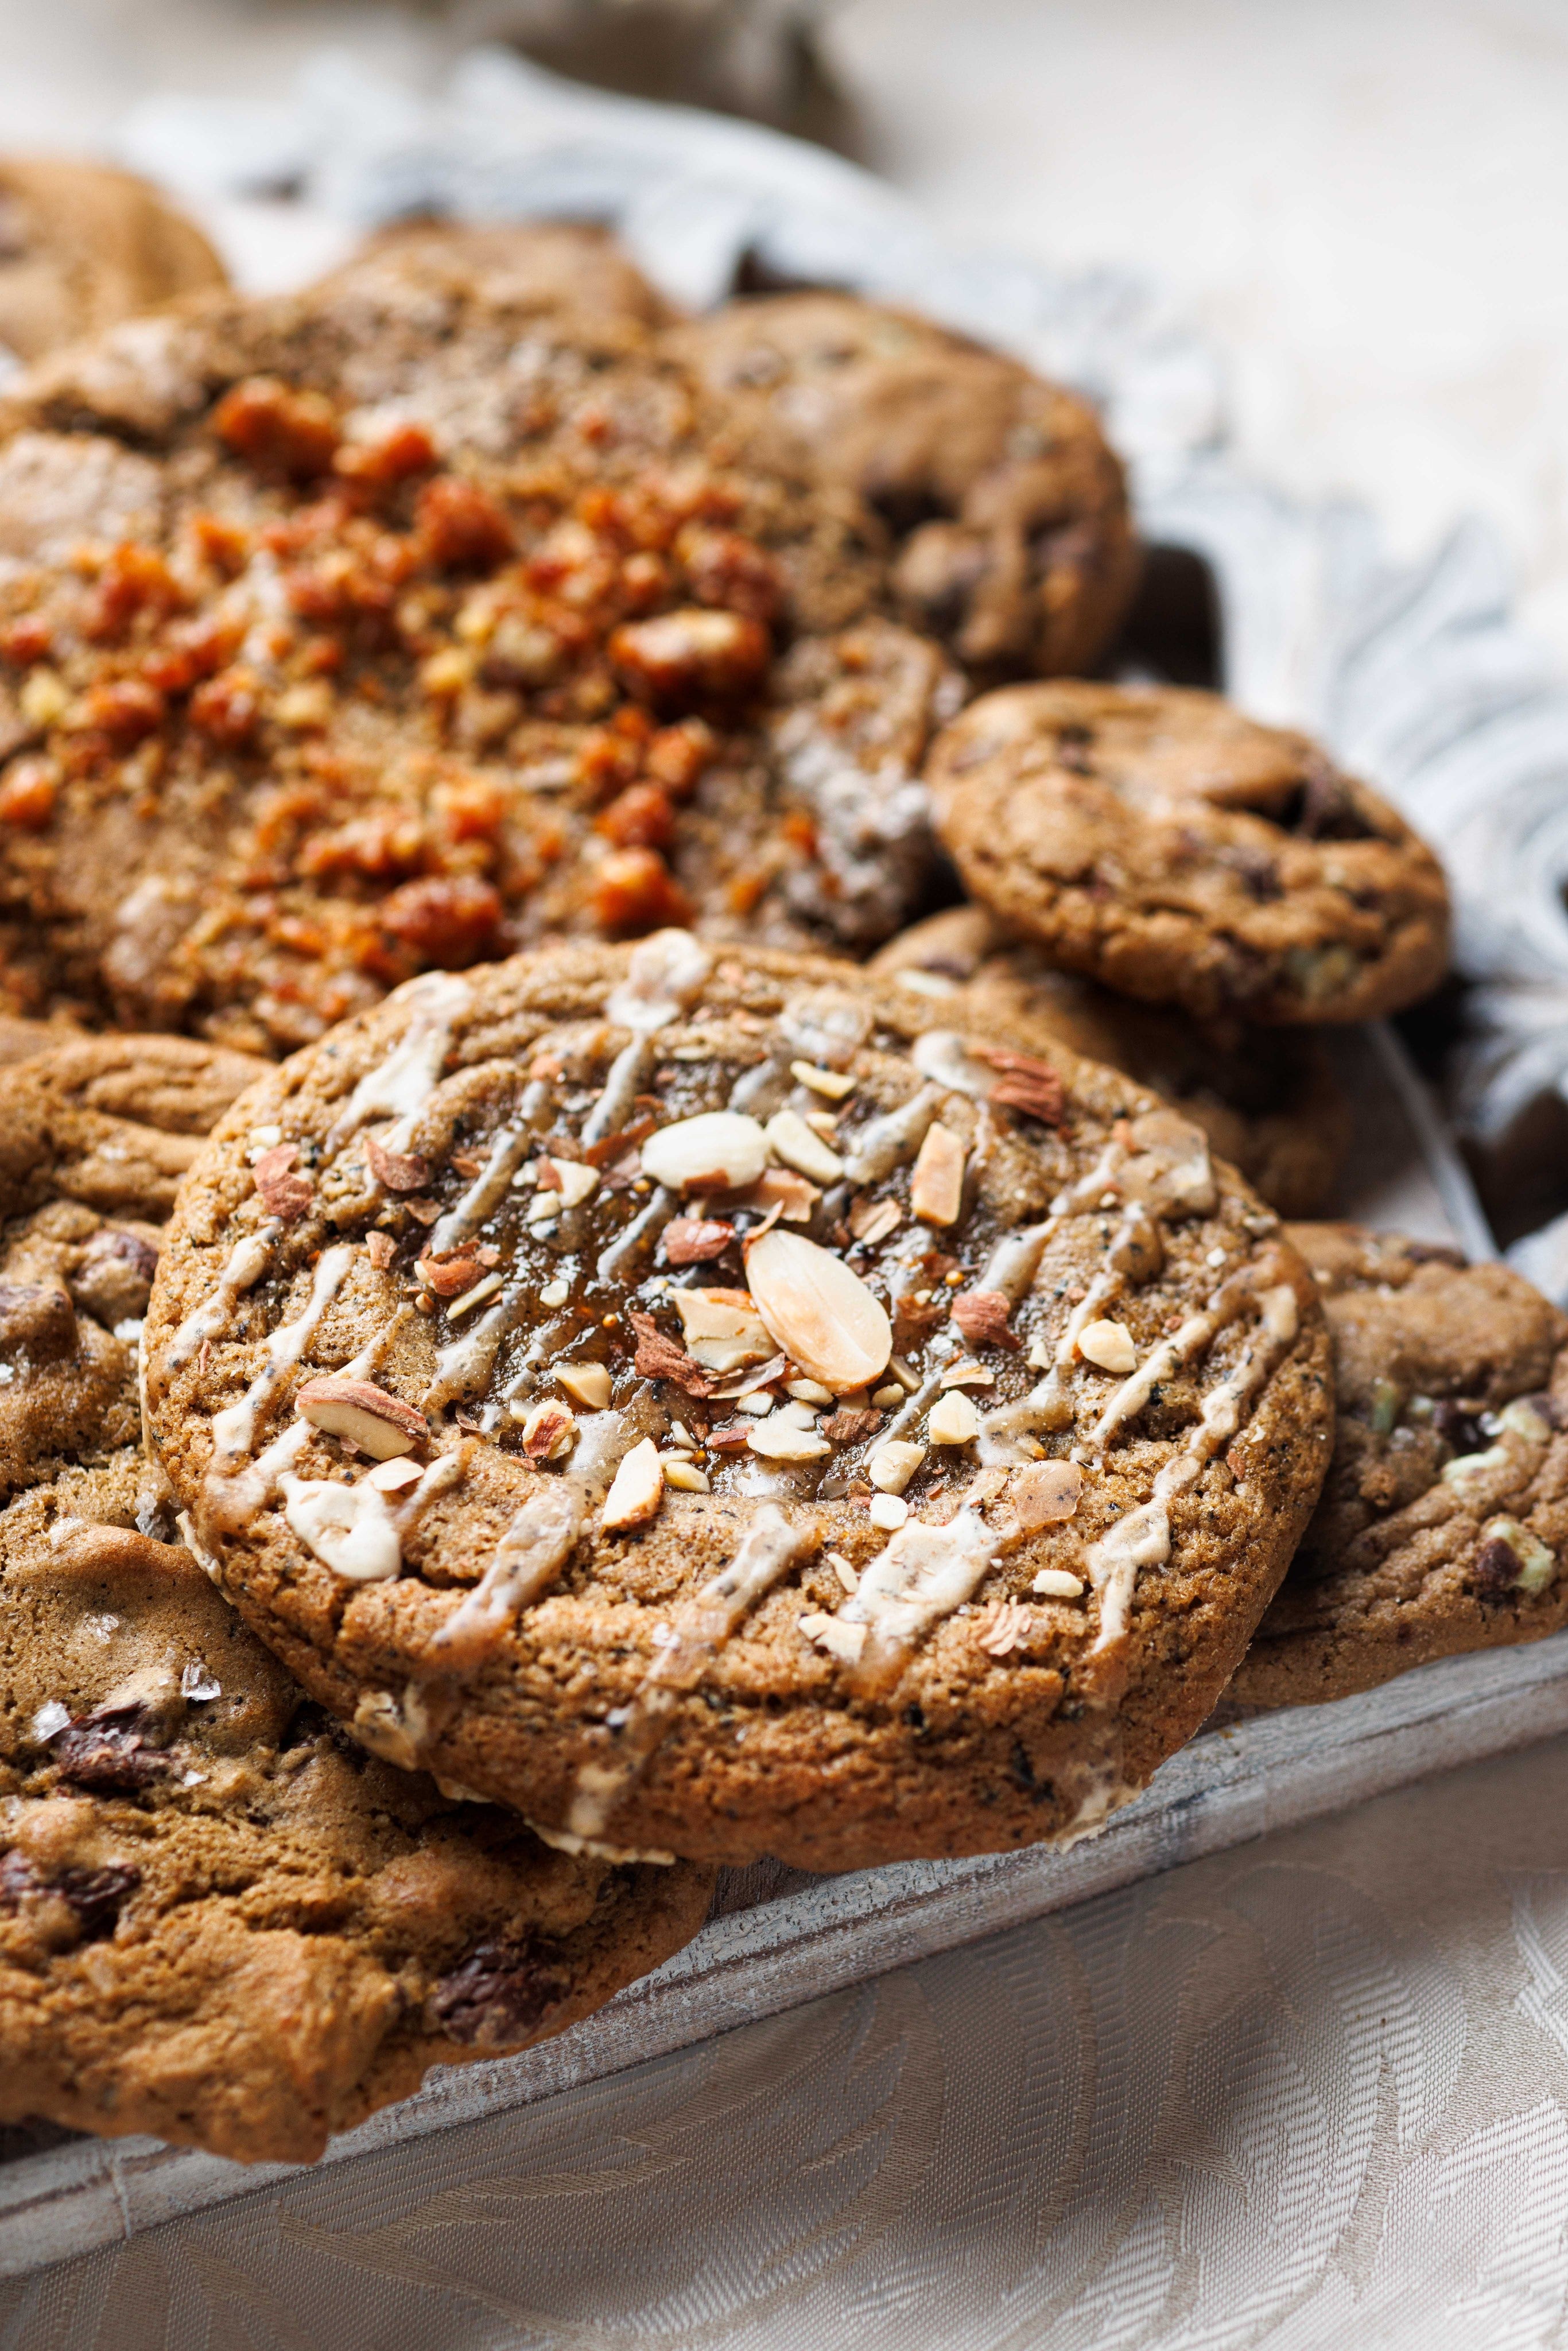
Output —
(1108, 1344)
(377, 1423)
(718, 1151)
(953, 1420)
(549, 1431)
(801, 1148)
(637, 1491)
(834, 1084)
(586, 1383)
(937, 1186)
(819, 1312)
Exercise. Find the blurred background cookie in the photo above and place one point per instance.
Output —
(82, 247)
(1267, 1102)
(543, 265)
(1156, 840)
(1007, 507)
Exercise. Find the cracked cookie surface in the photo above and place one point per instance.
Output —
(1156, 841)
(1442, 1525)
(1007, 507)
(222, 1920)
(708, 1391)
(1268, 1102)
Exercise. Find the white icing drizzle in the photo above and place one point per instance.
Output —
(595, 1847)
(353, 1530)
(925, 1573)
(529, 1557)
(233, 1501)
(884, 1142)
(464, 1365)
(233, 1428)
(698, 1632)
(666, 972)
(622, 1083)
(468, 1212)
(348, 1528)
(1143, 1538)
(1015, 1260)
(438, 1477)
(248, 1261)
(399, 1085)
(646, 1227)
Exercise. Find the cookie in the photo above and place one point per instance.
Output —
(805, 1428)
(222, 1920)
(1156, 841)
(96, 1138)
(418, 628)
(20, 1040)
(541, 263)
(1269, 1105)
(1443, 1521)
(82, 247)
(1007, 507)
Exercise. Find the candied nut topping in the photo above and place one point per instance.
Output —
(406, 708)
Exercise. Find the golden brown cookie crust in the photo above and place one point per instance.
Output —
(82, 247)
(1444, 1519)
(680, 1594)
(1269, 1103)
(1155, 840)
(395, 654)
(1007, 506)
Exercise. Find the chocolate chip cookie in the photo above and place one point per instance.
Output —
(1443, 1524)
(95, 1139)
(222, 1920)
(1156, 841)
(415, 625)
(1269, 1105)
(81, 247)
(710, 1399)
(1007, 507)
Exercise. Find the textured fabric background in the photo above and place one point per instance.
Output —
(1311, 2094)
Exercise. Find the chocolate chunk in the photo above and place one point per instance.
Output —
(501, 1994)
(113, 1280)
(109, 1751)
(37, 1321)
(96, 1896)
(1496, 1569)
(1458, 1427)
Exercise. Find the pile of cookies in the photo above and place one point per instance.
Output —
(565, 1321)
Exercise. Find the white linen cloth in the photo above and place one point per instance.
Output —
(1311, 2094)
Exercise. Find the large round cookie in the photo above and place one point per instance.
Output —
(805, 1428)
(1156, 841)
(81, 247)
(221, 1920)
(1008, 509)
(1442, 1525)
(1269, 1103)
(415, 625)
